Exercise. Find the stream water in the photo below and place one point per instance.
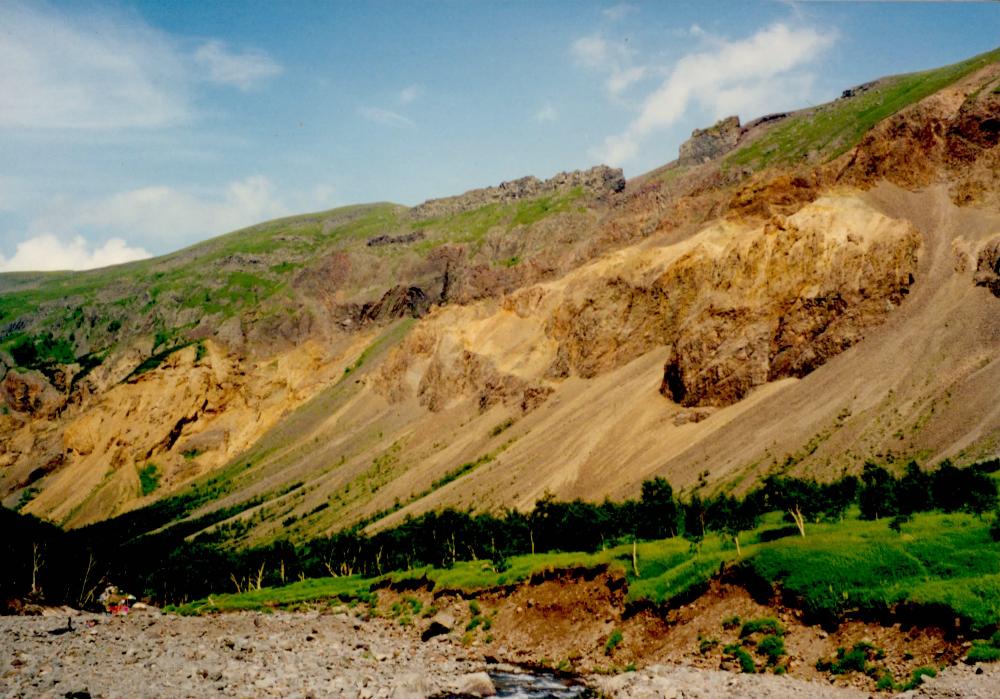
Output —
(523, 685)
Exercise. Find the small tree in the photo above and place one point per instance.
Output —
(878, 493)
(658, 511)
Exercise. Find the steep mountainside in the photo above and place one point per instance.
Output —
(798, 294)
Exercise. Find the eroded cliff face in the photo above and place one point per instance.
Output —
(733, 307)
(950, 137)
(193, 414)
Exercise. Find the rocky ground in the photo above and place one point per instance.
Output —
(679, 682)
(238, 655)
(333, 654)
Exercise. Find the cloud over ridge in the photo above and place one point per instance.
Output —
(733, 76)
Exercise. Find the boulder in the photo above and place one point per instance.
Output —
(476, 684)
(442, 623)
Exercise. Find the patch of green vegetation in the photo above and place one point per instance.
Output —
(744, 658)
(766, 625)
(832, 129)
(344, 588)
(531, 211)
(33, 352)
(857, 659)
(473, 225)
(510, 261)
(462, 470)
(502, 427)
(154, 361)
(772, 648)
(946, 561)
(390, 337)
(985, 651)
(916, 677)
(614, 640)
(149, 478)
(705, 645)
(27, 495)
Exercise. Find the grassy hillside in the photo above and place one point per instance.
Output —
(830, 130)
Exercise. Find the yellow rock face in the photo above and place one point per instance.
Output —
(735, 305)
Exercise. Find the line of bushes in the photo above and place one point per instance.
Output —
(168, 567)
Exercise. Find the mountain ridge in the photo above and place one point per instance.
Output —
(532, 337)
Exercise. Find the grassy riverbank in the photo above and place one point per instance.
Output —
(936, 568)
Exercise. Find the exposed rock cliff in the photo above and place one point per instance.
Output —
(708, 144)
(598, 180)
(733, 307)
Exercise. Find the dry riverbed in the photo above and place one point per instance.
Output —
(328, 654)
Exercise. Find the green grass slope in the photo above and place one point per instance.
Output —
(832, 129)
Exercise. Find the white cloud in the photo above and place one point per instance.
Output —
(239, 69)
(384, 116)
(86, 72)
(595, 51)
(165, 215)
(620, 11)
(621, 80)
(409, 94)
(77, 71)
(546, 113)
(614, 59)
(734, 76)
(46, 252)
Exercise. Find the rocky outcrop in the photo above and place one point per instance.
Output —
(397, 302)
(395, 239)
(597, 181)
(30, 393)
(708, 144)
(988, 267)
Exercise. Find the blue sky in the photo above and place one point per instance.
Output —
(136, 128)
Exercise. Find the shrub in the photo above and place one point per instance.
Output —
(772, 647)
(918, 675)
(707, 644)
(885, 682)
(149, 478)
(982, 652)
(854, 660)
(614, 640)
(767, 625)
(731, 622)
(897, 522)
(746, 662)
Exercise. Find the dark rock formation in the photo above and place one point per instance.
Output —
(988, 267)
(596, 181)
(397, 302)
(708, 144)
(395, 239)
